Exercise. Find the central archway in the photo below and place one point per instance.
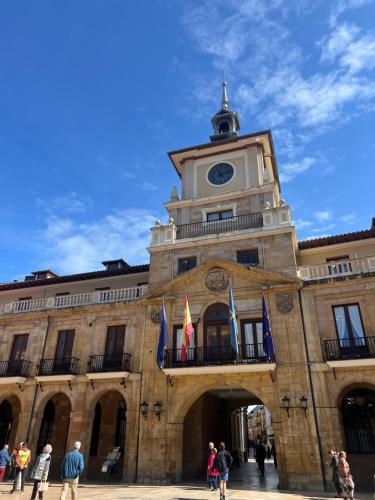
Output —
(221, 414)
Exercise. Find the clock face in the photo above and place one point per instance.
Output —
(221, 173)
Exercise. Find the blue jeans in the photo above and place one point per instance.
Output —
(212, 482)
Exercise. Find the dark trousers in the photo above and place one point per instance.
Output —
(35, 490)
(338, 487)
(212, 482)
(261, 466)
(23, 473)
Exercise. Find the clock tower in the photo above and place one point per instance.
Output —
(229, 208)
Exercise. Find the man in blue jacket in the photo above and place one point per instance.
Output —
(4, 460)
(71, 468)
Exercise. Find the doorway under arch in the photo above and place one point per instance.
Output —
(221, 414)
(54, 429)
(9, 413)
(358, 421)
(108, 431)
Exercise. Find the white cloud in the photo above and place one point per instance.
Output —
(337, 42)
(149, 186)
(302, 224)
(68, 203)
(323, 215)
(71, 247)
(289, 170)
(341, 6)
(348, 218)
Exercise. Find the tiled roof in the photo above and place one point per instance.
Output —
(75, 277)
(340, 238)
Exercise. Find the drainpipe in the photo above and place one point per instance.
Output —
(37, 385)
(312, 394)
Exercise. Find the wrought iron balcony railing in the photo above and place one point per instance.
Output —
(360, 347)
(109, 363)
(217, 355)
(58, 366)
(237, 223)
(15, 368)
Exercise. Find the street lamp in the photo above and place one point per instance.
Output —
(144, 409)
(157, 409)
(303, 402)
(286, 404)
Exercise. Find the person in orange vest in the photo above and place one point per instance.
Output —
(22, 461)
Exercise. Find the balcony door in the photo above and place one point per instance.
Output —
(350, 330)
(252, 339)
(114, 347)
(17, 354)
(217, 345)
(64, 349)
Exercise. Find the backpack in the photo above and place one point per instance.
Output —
(220, 462)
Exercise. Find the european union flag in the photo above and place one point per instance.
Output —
(163, 338)
(267, 334)
(233, 323)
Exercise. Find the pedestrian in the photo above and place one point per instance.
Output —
(71, 468)
(39, 472)
(222, 463)
(274, 454)
(212, 473)
(13, 465)
(209, 451)
(4, 460)
(260, 456)
(346, 479)
(334, 464)
(23, 458)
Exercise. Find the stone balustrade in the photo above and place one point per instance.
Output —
(333, 269)
(79, 299)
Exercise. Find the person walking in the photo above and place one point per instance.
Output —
(346, 479)
(71, 468)
(222, 463)
(260, 456)
(212, 473)
(12, 465)
(39, 472)
(4, 460)
(23, 458)
(209, 451)
(334, 464)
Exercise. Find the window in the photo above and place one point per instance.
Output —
(114, 347)
(186, 263)
(349, 326)
(252, 338)
(25, 298)
(62, 294)
(17, 354)
(102, 288)
(248, 257)
(224, 214)
(177, 343)
(64, 346)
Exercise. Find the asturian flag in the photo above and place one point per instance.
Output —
(163, 339)
(267, 334)
(233, 323)
(187, 330)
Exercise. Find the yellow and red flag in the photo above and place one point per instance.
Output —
(187, 330)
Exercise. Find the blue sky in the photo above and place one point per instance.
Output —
(94, 94)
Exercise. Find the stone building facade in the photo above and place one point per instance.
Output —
(78, 353)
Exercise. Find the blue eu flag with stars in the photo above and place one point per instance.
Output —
(267, 334)
(163, 338)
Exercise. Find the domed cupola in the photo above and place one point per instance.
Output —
(226, 123)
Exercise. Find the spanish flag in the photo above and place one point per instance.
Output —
(187, 330)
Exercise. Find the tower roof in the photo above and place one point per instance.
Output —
(226, 123)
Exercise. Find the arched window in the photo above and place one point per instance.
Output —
(46, 428)
(95, 431)
(223, 127)
(358, 416)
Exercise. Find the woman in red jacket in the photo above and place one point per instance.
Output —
(211, 471)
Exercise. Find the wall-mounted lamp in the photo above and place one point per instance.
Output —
(157, 409)
(303, 402)
(286, 404)
(144, 409)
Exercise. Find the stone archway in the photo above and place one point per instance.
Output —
(54, 428)
(108, 431)
(10, 409)
(357, 410)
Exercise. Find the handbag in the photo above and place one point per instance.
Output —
(43, 486)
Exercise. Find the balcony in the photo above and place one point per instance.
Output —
(336, 269)
(238, 223)
(201, 360)
(57, 369)
(79, 299)
(104, 366)
(350, 352)
(14, 371)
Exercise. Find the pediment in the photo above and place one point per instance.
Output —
(253, 276)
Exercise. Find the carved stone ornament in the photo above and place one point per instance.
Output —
(284, 302)
(156, 316)
(217, 279)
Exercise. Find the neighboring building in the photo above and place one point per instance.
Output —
(78, 353)
(259, 423)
